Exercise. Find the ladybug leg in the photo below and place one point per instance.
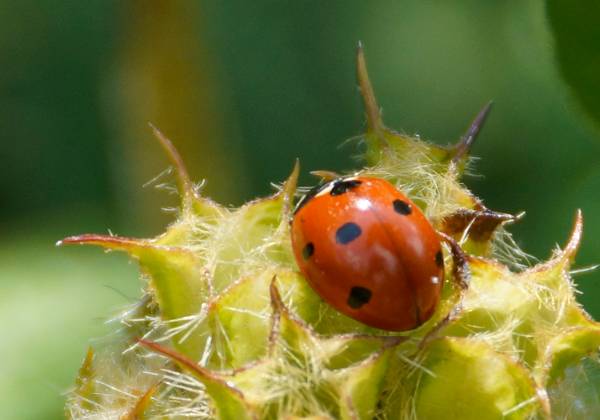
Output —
(461, 276)
(460, 270)
(435, 331)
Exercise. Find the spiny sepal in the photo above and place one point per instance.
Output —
(459, 378)
(142, 405)
(229, 402)
(85, 385)
(238, 323)
(244, 335)
(196, 259)
(252, 238)
(532, 314)
(568, 349)
(474, 228)
(177, 280)
(577, 394)
(191, 200)
(302, 373)
(384, 143)
(427, 173)
(430, 176)
(459, 153)
(121, 384)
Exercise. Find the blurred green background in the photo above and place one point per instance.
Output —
(243, 88)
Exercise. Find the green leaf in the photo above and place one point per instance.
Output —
(576, 31)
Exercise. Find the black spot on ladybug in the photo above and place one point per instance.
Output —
(402, 207)
(340, 187)
(439, 259)
(358, 297)
(347, 233)
(308, 250)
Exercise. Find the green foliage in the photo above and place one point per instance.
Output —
(574, 25)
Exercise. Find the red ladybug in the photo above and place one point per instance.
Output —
(369, 252)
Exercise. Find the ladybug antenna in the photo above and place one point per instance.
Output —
(467, 140)
(326, 176)
(372, 111)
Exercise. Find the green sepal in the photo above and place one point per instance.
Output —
(385, 146)
(467, 379)
(85, 386)
(177, 282)
(229, 402)
(576, 394)
(143, 403)
(257, 233)
(239, 322)
(192, 203)
(570, 348)
(361, 386)
(295, 337)
(430, 174)
(474, 228)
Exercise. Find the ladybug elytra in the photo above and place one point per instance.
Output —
(369, 252)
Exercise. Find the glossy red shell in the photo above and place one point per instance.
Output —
(369, 252)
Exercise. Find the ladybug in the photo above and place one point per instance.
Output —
(369, 252)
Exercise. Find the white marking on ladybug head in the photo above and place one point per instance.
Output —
(326, 189)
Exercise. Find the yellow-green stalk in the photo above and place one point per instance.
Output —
(228, 328)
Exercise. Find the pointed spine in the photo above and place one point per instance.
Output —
(575, 239)
(372, 110)
(190, 198)
(462, 148)
(289, 190)
(142, 404)
(184, 183)
(118, 243)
